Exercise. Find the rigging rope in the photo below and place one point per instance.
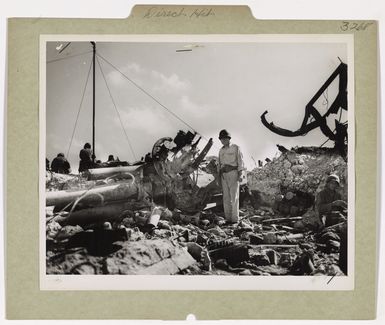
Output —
(68, 57)
(149, 95)
(325, 94)
(326, 102)
(117, 111)
(80, 106)
(324, 143)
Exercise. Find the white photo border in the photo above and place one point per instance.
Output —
(198, 282)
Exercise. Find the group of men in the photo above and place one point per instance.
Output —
(61, 165)
(230, 169)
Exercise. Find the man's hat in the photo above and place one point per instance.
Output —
(224, 134)
(333, 178)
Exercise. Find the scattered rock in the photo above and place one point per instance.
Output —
(286, 260)
(269, 238)
(327, 236)
(273, 270)
(136, 235)
(233, 254)
(332, 246)
(67, 232)
(303, 265)
(333, 270)
(166, 214)
(74, 263)
(84, 268)
(205, 222)
(221, 264)
(194, 250)
(128, 222)
(306, 245)
(217, 231)
(273, 256)
(162, 233)
(256, 239)
(52, 229)
(245, 236)
(245, 272)
(260, 259)
(163, 224)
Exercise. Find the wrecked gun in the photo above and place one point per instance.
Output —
(136, 186)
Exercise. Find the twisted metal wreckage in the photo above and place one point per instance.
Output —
(340, 102)
(171, 183)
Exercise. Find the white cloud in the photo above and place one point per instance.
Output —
(197, 111)
(115, 77)
(151, 80)
(134, 67)
(169, 83)
(149, 121)
(133, 71)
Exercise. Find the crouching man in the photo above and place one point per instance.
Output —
(60, 164)
(230, 167)
(329, 204)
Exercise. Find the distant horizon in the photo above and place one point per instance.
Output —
(214, 86)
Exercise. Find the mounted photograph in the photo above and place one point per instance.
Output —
(197, 162)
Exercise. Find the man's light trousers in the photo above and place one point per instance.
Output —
(230, 188)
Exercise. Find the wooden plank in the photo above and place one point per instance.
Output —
(281, 220)
(276, 245)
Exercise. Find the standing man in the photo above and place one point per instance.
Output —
(230, 167)
(85, 156)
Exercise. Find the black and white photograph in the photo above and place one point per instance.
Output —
(197, 162)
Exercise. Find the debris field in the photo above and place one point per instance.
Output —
(165, 217)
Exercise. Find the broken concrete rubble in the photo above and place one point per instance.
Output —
(152, 219)
(301, 174)
(159, 257)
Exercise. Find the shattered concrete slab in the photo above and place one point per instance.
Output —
(159, 257)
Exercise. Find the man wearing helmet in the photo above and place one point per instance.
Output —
(230, 167)
(329, 201)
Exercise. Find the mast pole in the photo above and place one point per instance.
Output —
(93, 101)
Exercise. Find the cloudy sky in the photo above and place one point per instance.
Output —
(216, 85)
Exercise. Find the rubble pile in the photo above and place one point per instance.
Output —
(58, 182)
(197, 244)
(300, 170)
(269, 239)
